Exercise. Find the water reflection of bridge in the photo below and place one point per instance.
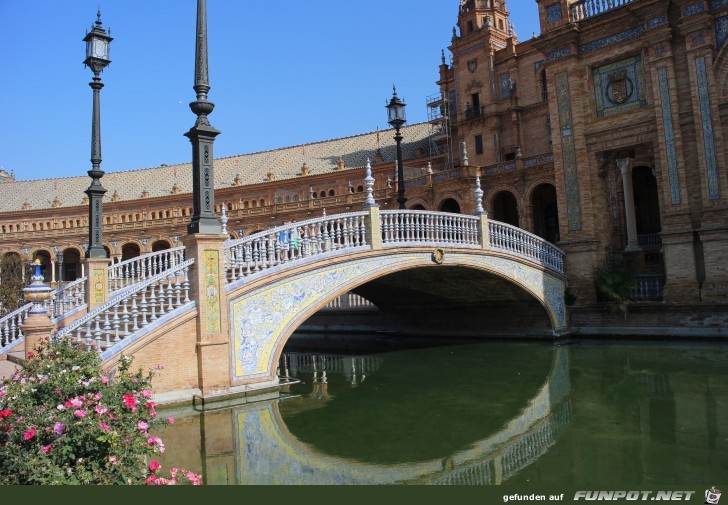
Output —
(268, 453)
(353, 368)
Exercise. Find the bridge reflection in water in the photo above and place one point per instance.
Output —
(331, 432)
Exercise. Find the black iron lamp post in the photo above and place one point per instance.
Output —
(97, 58)
(202, 136)
(397, 118)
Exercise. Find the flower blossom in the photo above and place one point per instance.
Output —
(130, 401)
(79, 413)
(142, 426)
(29, 434)
(58, 428)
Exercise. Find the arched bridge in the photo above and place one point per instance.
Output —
(243, 299)
(279, 278)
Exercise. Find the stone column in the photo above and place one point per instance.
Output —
(625, 166)
(53, 271)
(97, 281)
(207, 289)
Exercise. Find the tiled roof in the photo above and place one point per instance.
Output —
(285, 163)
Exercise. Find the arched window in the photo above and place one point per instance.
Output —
(331, 192)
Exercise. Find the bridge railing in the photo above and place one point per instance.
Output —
(347, 232)
(505, 237)
(132, 309)
(72, 297)
(294, 241)
(143, 267)
(11, 326)
(418, 227)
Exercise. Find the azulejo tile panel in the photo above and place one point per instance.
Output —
(669, 136)
(558, 54)
(260, 319)
(573, 199)
(692, 9)
(212, 290)
(721, 30)
(619, 86)
(717, 4)
(617, 38)
(553, 13)
(706, 117)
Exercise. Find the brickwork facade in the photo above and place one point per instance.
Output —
(545, 123)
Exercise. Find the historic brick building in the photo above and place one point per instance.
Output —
(605, 130)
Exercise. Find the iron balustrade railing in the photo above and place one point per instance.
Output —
(294, 241)
(514, 240)
(131, 309)
(432, 228)
(585, 9)
(650, 240)
(649, 288)
(143, 267)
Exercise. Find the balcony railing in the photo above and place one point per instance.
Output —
(649, 288)
(585, 9)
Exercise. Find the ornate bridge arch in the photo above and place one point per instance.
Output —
(264, 312)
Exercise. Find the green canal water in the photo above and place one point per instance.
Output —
(591, 415)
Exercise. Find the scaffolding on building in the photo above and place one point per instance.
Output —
(438, 115)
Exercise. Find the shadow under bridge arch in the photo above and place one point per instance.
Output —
(264, 315)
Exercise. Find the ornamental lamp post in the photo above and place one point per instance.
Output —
(58, 251)
(97, 58)
(397, 118)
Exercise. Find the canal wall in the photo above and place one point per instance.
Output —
(652, 319)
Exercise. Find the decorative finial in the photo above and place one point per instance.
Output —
(464, 154)
(369, 183)
(224, 218)
(443, 57)
(98, 17)
(478, 197)
(324, 213)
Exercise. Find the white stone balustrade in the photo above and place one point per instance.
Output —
(143, 267)
(11, 326)
(410, 227)
(399, 228)
(584, 9)
(294, 241)
(72, 297)
(514, 240)
(132, 309)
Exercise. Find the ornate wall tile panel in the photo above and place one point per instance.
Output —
(573, 199)
(553, 13)
(692, 9)
(212, 290)
(505, 85)
(667, 123)
(706, 117)
(558, 54)
(717, 4)
(612, 39)
(619, 87)
(655, 22)
(721, 31)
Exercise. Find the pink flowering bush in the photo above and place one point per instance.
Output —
(64, 421)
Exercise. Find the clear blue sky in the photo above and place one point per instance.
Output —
(282, 73)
